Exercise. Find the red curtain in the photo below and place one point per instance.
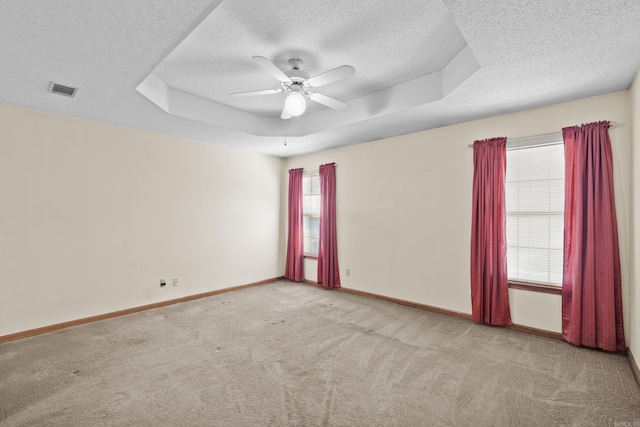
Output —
(489, 283)
(294, 269)
(591, 285)
(328, 272)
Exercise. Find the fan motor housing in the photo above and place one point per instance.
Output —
(297, 75)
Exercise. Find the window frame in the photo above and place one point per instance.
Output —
(536, 287)
(523, 143)
(310, 175)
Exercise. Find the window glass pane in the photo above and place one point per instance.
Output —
(523, 171)
(314, 205)
(539, 161)
(511, 196)
(315, 184)
(533, 264)
(307, 204)
(556, 161)
(556, 195)
(539, 196)
(315, 226)
(313, 248)
(512, 261)
(533, 232)
(513, 158)
(512, 229)
(306, 226)
(555, 266)
(307, 245)
(556, 232)
(306, 185)
(524, 197)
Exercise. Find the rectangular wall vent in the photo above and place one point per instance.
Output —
(62, 90)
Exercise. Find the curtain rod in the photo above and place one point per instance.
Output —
(318, 168)
(315, 169)
(611, 124)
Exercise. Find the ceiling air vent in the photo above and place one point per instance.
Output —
(62, 90)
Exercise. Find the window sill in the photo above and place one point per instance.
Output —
(311, 257)
(534, 287)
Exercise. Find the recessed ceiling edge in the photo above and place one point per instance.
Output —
(405, 95)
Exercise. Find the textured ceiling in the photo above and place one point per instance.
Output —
(530, 53)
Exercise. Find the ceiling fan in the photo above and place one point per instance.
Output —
(300, 86)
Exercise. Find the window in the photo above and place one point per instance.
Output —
(311, 213)
(535, 210)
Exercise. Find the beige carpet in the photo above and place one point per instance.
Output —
(285, 354)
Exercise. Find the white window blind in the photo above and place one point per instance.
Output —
(311, 213)
(535, 210)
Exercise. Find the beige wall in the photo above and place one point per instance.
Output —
(404, 207)
(633, 338)
(93, 216)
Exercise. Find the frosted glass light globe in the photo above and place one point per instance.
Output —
(295, 104)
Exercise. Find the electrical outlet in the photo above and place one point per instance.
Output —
(163, 283)
(348, 272)
(175, 281)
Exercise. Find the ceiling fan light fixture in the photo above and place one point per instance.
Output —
(295, 104)
(298, 86)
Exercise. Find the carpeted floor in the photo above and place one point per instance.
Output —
(285, 354)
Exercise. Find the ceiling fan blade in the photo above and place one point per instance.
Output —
(255, 92)
(285, 114)
(331, 76)
(271, 68)
(329, 102)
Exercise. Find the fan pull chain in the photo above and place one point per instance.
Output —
(285, 132)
